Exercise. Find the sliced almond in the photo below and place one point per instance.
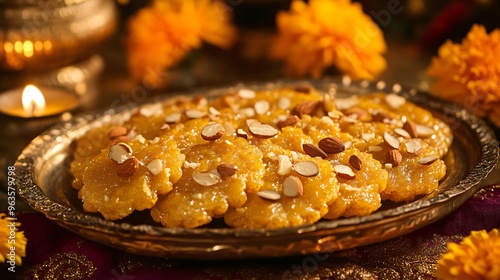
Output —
(269, 195)
(402, 132)
(246, 93)
(344, 171)
(212, 131)
(241, 133)
(413, 147)
(261, 107)
(119, 139)
(395, 101)
(292, 187)
(394, 157)
(346, 103)
(117, 132)
(367, 136)
(381, 116)
(306, 168)
(128, 167)
(356, 113)
(262, 131)
(305, 108)
(120, 152)
(336, 115)
(284, 165)
(150, 110)
(392, 141)
(314, 151)
(329, 103)
(200, 100)
(411, 128)
(331, 145)
(291, 120)
(165, 126)
(303, 88)
(284, 103)
(424, 131)
(428, 160)
(250, 121)
(173, 118)
(226, 170)
(247, 112)
(373, 149)
(213, 111)
(155, 166)
(194, 114)
(206, 179)
(229, 128)
(355, 162)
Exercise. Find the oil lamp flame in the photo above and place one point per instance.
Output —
(33, 101)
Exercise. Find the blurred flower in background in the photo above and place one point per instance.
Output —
(324, 33)
(163, 33)
(8, 241)
(476, 257)
(469, 73)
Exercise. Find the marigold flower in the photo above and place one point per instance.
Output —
(329, 33)
(162, 34)
(7, 242)
(469, 73)
(476, 257)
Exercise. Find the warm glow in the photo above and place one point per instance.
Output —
(33, 101)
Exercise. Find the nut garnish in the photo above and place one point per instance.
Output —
(314, 151)
(194, 114)
(303, 88)
(413, 147)
(284, 103)
(372, 149)
(128, 167)
(262, 130)
(367, 136)
(206, 178)
(200, 100)
(269, 194)
(117, 132)
(250, 121)
(241, 133)
(356, 113)
(344, 171)
(355, 162)
(261, 107)
(331, 145)
(116, 140)
(212, 131)
(394, 157)
(213, 111)
(246, 93)
(173, 118)
(120, 152)
(165, 126)
(292, 187)
(392, 141)
(428, 160)
(150, 110)
(336, 115)
(226, 170)
(291, 120)
(329, 103)
(284, 165)
(402, 132)
(306, 168)
(247, 112)
(155, 166)
(394, 100)
(424, 131)
(346, 103)
(381, 116)
(305, 108)
(411, 128)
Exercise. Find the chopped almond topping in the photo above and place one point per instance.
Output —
(269, 195)
(262, 131)
(395, 101)
(331, 145)
(314, 151)
(212, 131)
(291, 120)
(305, 108)
(344, 171)
(394, 157)
(392, 141)
(120, 152)
(292, 187)
(155, 166)
(306, 168)
(262, 107)
(428, 160)
(206, 179)
(128, 167)
(117, 132)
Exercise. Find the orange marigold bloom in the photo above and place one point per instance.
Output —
(325, 33)
(476, 257)
(469, 73)
(7, 242)
(162, 34)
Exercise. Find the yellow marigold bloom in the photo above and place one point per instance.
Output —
(476, 257)
(469, 73)
(7, 242)
(325, 33)
(162, 34)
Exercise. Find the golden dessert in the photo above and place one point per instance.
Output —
(261, 159)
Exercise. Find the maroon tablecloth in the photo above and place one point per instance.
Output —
(55, 253)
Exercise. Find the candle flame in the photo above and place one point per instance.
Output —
(33, 101)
